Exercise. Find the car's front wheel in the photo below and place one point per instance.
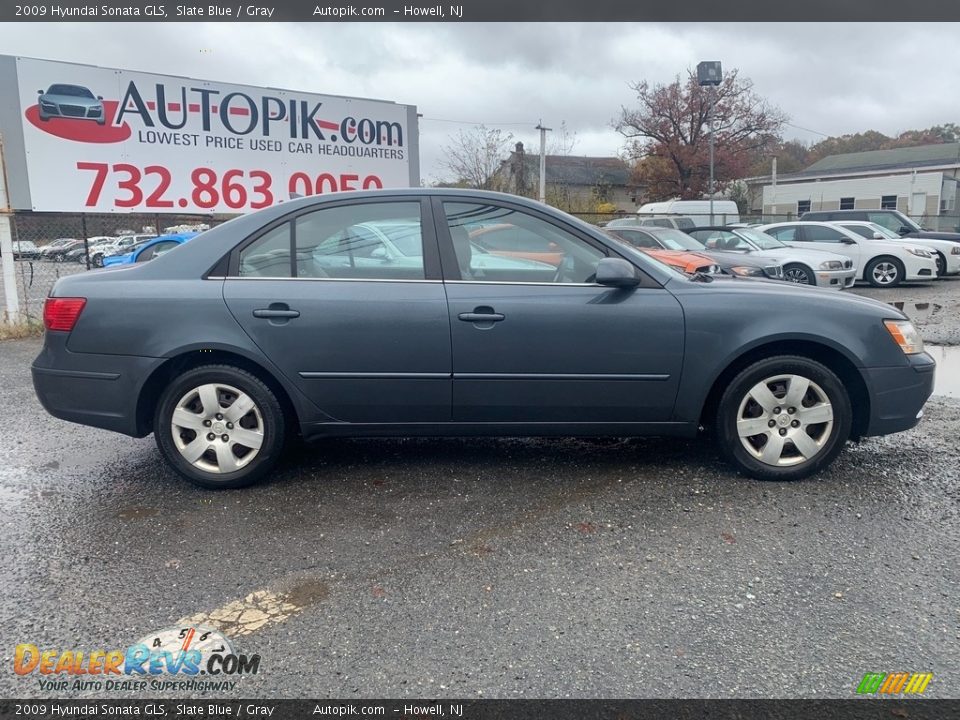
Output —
(783, 418)
(219, 427)
(884, 272)
(97, 260)
(799, 274)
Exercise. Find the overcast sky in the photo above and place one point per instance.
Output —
(829, 78)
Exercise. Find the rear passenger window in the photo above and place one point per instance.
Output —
(820, 233)
(377, 241)
(267, 256)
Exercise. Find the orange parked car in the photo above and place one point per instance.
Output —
(683, 260)
(509, 240)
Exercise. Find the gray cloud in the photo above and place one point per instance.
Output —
(831, 78)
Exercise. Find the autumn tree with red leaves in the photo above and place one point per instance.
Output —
(669, 134)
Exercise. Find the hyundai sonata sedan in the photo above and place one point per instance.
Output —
(258, 330)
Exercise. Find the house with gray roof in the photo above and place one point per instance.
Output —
(920, 181)
(574, 183)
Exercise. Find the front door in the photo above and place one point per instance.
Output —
(347, 301)
(535, 340)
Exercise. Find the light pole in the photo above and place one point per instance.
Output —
(710, 74)
(543, 160)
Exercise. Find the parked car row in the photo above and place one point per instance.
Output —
(829, 249)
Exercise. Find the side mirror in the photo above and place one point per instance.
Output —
(878, 236)
(617, 272)
(904, 230)
(848, 241)
(39, 92)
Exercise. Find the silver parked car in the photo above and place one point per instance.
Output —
(70, 101)
(802, 266)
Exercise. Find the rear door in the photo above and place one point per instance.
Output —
(822, 237)
(355, 321)
(535, 343)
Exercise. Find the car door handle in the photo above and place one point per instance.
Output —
(274, 313)
(481, 317)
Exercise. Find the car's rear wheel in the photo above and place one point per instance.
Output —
(799, 274)
(783, 418)
(884, 272)
(219, 427)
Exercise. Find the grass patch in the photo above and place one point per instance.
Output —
(19, 331)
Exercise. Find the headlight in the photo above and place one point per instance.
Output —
(919, 252)
(831, 265)
(905, 335)
(747, 271)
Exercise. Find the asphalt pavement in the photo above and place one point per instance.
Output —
(489, 568)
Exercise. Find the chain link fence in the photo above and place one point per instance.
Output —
(48, 246)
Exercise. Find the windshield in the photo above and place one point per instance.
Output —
(907, 221)
(675, 240)
(886, 232)
(760, 239)
(69, 90)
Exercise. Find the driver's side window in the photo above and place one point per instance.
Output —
(561, 257)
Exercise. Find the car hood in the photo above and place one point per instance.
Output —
(935, 235)
(71, 100)
(768, 295)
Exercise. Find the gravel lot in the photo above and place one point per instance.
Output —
(497, 568)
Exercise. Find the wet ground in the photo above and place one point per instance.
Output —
(934, 307)
(490, 568)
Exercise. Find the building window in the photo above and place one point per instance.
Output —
(803, 206)
(888, 202)
(846, 203)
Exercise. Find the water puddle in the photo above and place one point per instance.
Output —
(948, 369)
(916, 311)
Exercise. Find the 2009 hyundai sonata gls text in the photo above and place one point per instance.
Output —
(376, 313)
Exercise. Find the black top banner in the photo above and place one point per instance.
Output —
(361, 709)
(480, 11)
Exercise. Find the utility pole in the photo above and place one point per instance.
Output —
(543, 161)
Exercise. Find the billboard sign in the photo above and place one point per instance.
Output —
(103, 140)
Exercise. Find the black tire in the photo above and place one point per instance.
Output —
(799, 274)
(97, 260)
(941, 265)
(894, 271)
(737, 403)
(58, 258)
(266, 418)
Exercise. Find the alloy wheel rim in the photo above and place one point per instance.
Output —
(217, 428)
(796, 275)
(784, 420)
(885, 273)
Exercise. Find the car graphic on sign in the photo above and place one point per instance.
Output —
(72, 102)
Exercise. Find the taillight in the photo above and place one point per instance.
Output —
(62, 313)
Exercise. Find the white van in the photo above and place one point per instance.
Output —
(724, 211)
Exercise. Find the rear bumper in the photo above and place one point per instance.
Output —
(898, 394)
(96, 390)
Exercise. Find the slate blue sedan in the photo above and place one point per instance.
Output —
(149, 250)
(289, 321)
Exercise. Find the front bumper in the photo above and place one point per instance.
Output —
(96, 390)
(836, 279)
(897, 394)
(920, 269)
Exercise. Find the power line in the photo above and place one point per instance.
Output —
(815, 132)
(475, 122)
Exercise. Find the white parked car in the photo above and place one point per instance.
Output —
(945, 252)
(881, 263)
(803, 266)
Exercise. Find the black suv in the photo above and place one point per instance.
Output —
(891, 219)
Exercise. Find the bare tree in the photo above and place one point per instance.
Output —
(475, 156)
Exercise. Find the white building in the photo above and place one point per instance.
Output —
(919, 181)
